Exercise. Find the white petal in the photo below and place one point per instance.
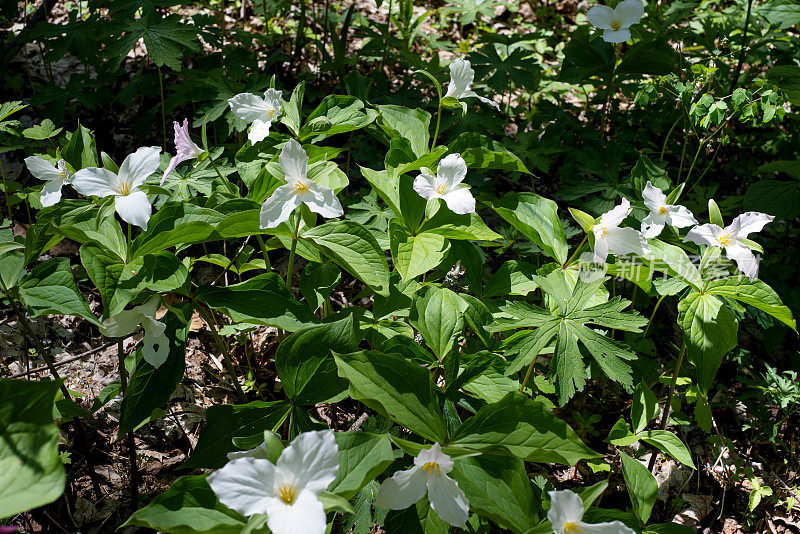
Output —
(424, 186)
(258, 452)
(461, 76)
(460, 200)
(653, 224)
(565, 507)
(134, 208)
(94, 181)
(294, 161)
(279, 206)
(447, 500)
(487, 101)
(403, 489)
(183, 142)
(744, 258)
(305, 515)
(138, 166)
(248, 106)
(616, 215)
(173, 162)
(51, 192)
(259, 131)
(653, 197)
(436, 456)
(122, 323)
(626, 241)
(42, 169)
(600, 16)
(680, 217)
(322, 200)
(313, 460)
(748, 223)
(452, 170)
(613, 527)
(274, 101)
(600, 249)
(156, 344)
(619, 36)
(704, 234)
(244, 485)
(629, 12)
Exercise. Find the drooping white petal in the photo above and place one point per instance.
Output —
(138, 166)
(155, 348)
(565, 507)
(94, 181)
(122, 323)
(434, 455)
(294, 161)
(680, 217)
(745, 260)
(460, 200)
(403, 489)
(173, 162)
(653, 224)
(134, 208)
(447, 500)
(616, 215)
(51, 192)
(279, 206)
(244, 485)
(600, 249)
(306, 514)
(653, 197)
(704, 234)
(492, 103)
(600, 16)
(322, 200)
(629, 12)
(257, 452)
(183, 142)
(461, 77)
(612, 527)
(626, 241)
(617, 36)
(452, 170)
(248, 106)
(748, 223)
(424, 185)
(274, 100)
(259, 131)
(313, 460)
(42, 169)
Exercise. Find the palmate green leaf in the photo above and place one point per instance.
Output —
(50, 288)
(414, 255)
(336, 114)
(710, 330)
(31, 472)
(362, 457)
(438, 314)
(45, 130)
(755, 293)
(411, 124)
(526, 429)
(7, 109)
(537, 219)
(166, 38)
(642, 486)
(189, 506)
(396, 388)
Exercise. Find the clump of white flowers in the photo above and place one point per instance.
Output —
(258, 111)
(608, 235)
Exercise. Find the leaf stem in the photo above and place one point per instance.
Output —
(438, 121)
(566, 264)
(290, 267)
(230, 186)
(264, 252)
(163, 110)
(650, 320)
(223, 347)
(665, 416)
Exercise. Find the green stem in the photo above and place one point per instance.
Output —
(650, 320)
(223, 347)
(230, 186)
(131, 440)
(290, 267)
(163, 109)
(666, 139)
(438, 121)
(5, 193)
(567, 263)
(264, 252)
(742, 48)
(665, 416)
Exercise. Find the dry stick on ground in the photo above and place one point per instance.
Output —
(68, 360)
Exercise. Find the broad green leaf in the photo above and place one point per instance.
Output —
(176, 224)
(453, 226)
(318, 281)
(647, 57)
(644, 408)
(336, 114)
(414, 255)
(385, 187)
(537, 219)
(512, 278)
(50, 288)
(362, 457)
(670, 444)
(411, 124)
(438, 314)
(481, 152)
(673, 261)
(81, 152)
(755, 293)
(396, 388)
(642, 486)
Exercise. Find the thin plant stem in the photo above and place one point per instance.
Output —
(5, 193)
(223, 347)
(131, 440)
(742, 48)
(264, 252)
(527, 375)
(438, 121)
(230, 186)
(666, 139)
(566, 264)
(650, 320)
(290, 267)
(163, 109)
(665, 416)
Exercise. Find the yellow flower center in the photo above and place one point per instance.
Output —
(270, 112)
(571, 528)
(125, 189)
(441, 188)
(662, 210)
(615, 25)
(287, 494)
(300, 187)
(603, 231)
(431, 468)
(725, 240)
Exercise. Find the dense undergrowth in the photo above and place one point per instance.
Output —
(482, 266)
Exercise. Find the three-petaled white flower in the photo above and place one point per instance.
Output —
(729, 239)
(156, 344)
(55, 176)
(297, 190)
(288, 491)
(130, 202)
(258, 111)
(429, 473)
(566, 512)
(461, 78)
(447, 185)
(609, 236)
(185, 148)
(662, 213)
(616, 22)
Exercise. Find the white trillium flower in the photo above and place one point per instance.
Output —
(261, 112)
(662, 213)
(729, 239)
(566, 512)
(616, 22)
(287, 491)
(609, 236)
(130, 202)
(461, 78)
(184, 146)
(447, 185)
(156, 344)
(297, 190)
(55, 176)
(429, 474)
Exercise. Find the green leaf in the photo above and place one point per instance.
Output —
(45, 130)
(415, 255)
(512, 278)
(318, 281)
(189, 506)
(438, 314)
(454, 226)
(362, 457)
(644, 408)
(336, 114)
(755, 293)
(354, 249)
(481, 152)
(642, 486)
(31, 472)
(655, 57)
(411, 124)
(396, 388)
(670, 444)
(81, 152)
(526, 429)
(537, 219)
(50, 288)
(585, 220)
(225, 422)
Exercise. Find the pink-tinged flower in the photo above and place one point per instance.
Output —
(9, 530)
(184, 146)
